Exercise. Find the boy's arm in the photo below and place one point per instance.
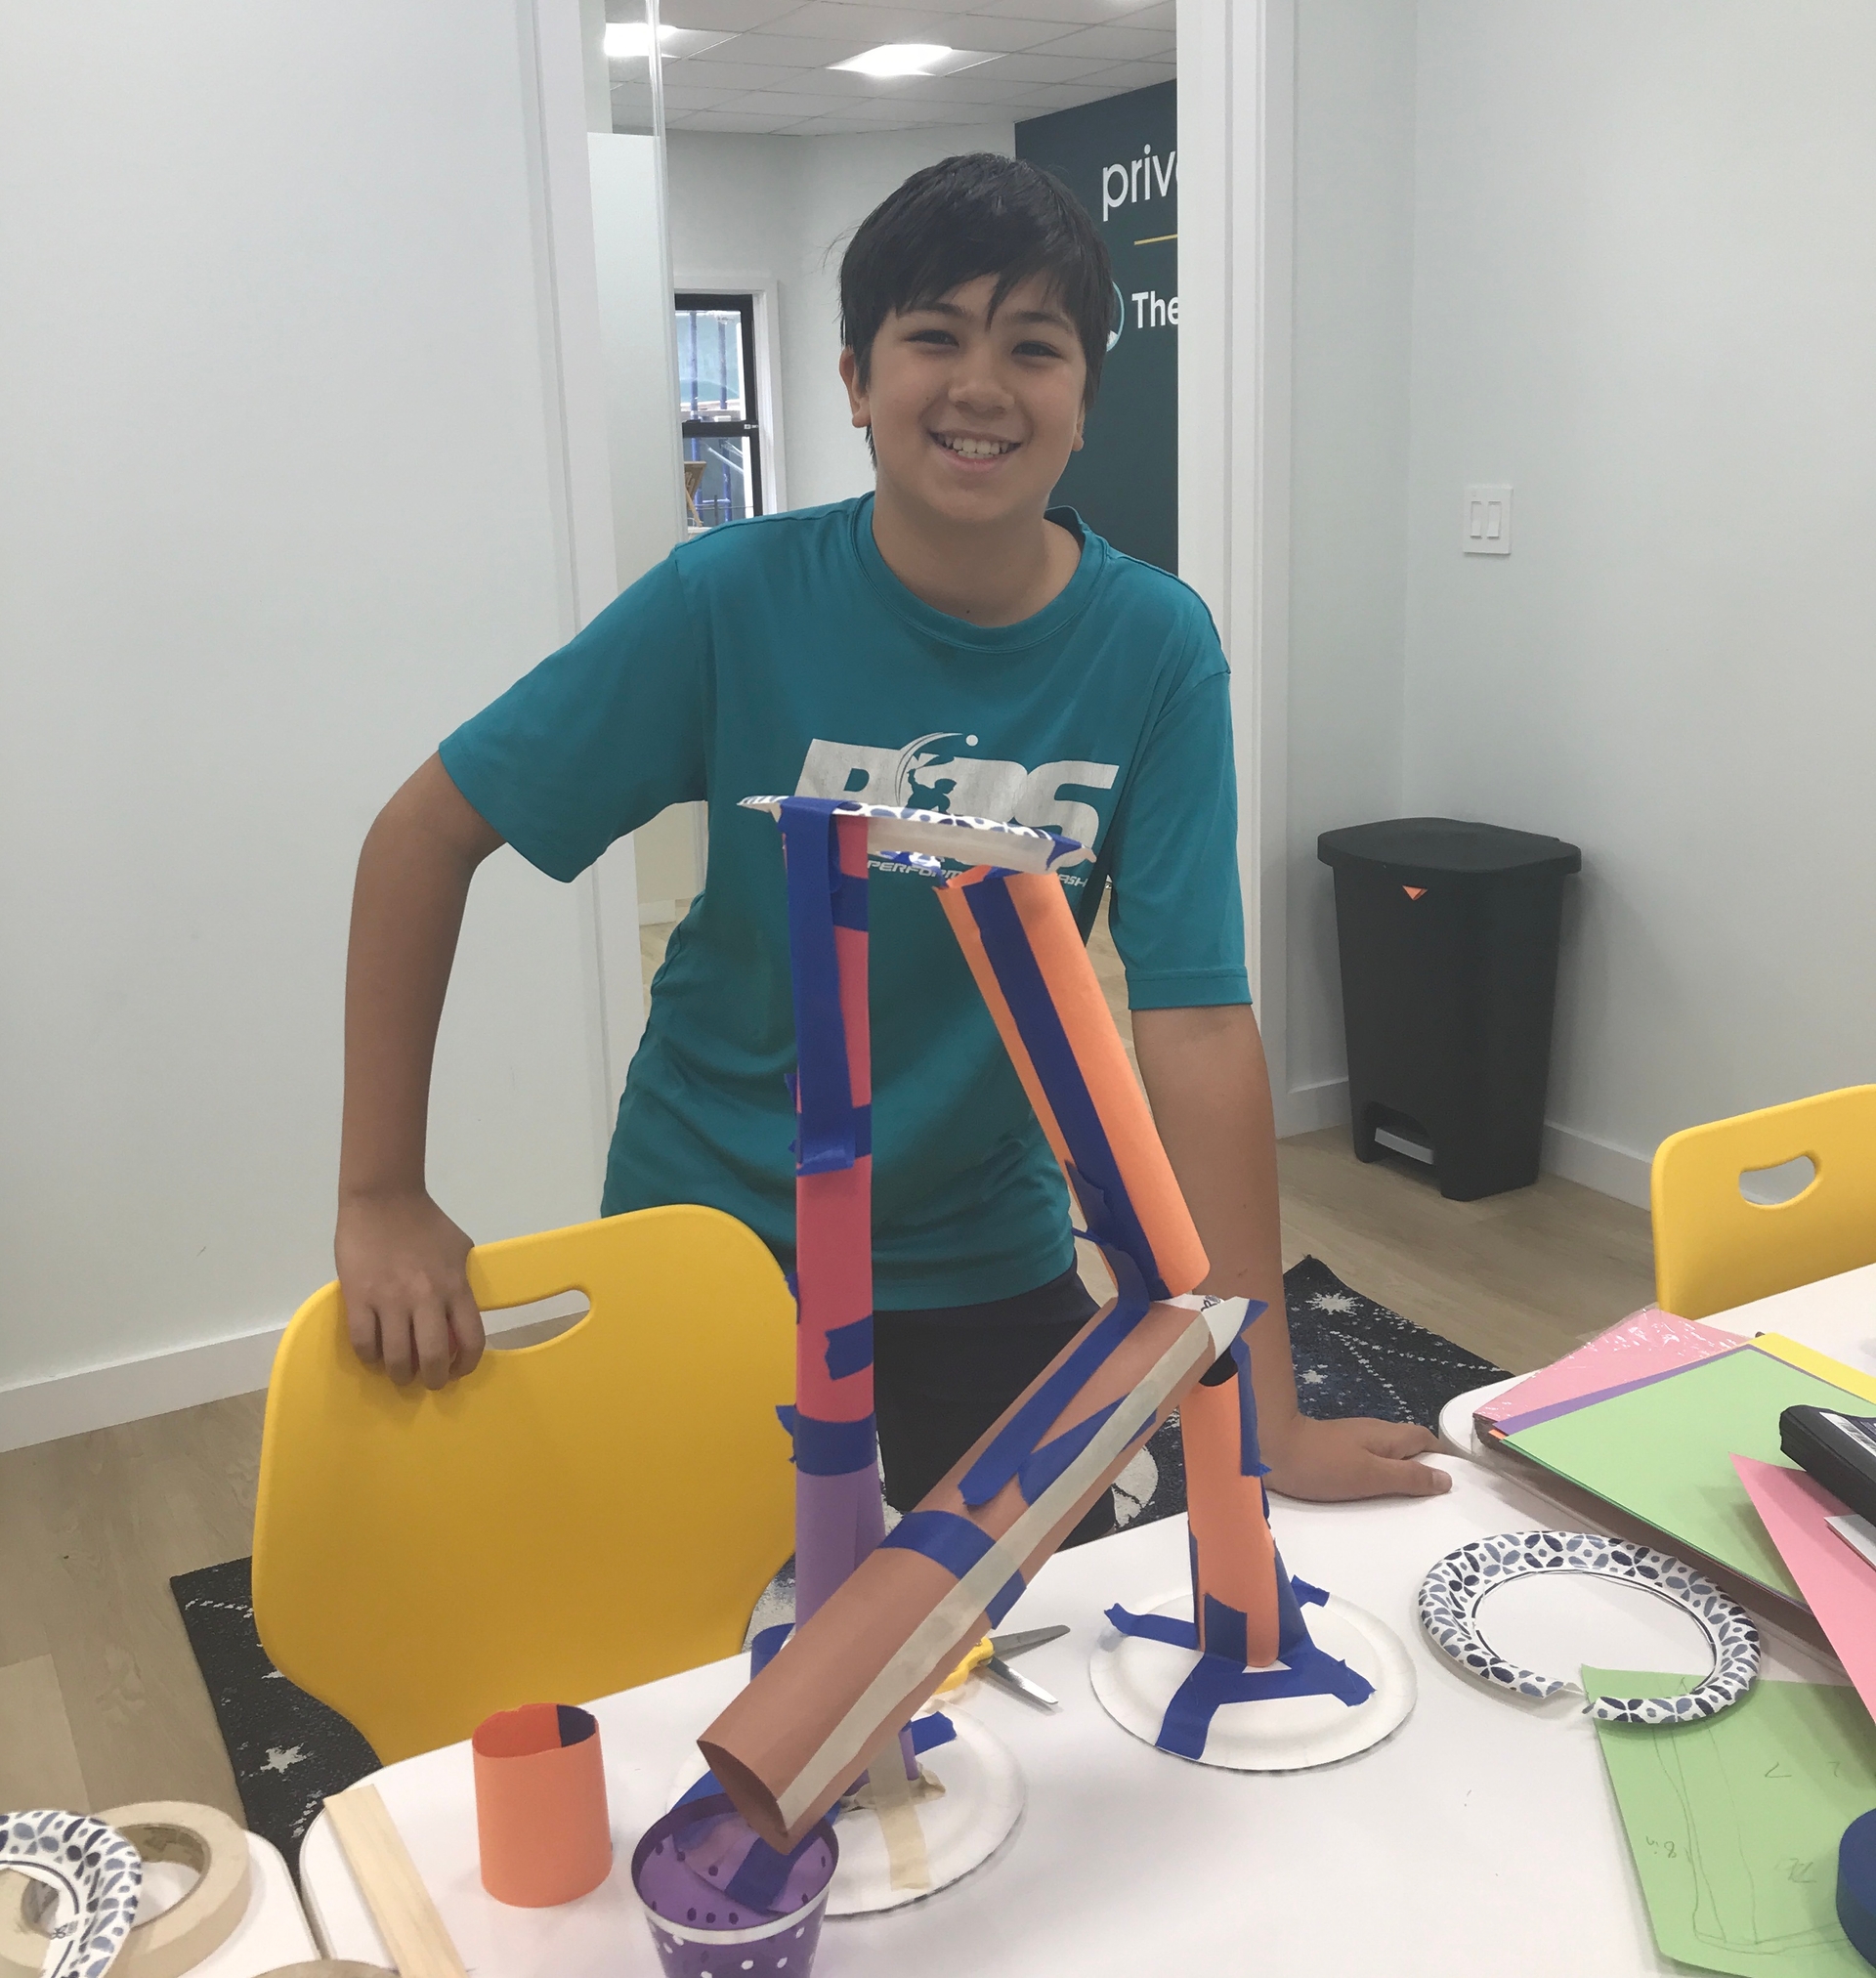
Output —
(1206, 1080)
(400, 1258)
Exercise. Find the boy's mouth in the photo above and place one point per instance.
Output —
(968, 449)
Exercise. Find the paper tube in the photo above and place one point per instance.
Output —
(793, 1743)
(540, 1805)
(1234, 1557)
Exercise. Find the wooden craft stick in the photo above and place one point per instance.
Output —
(392, 1891)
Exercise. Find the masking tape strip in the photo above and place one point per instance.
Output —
(889, 1792)
(167, 1946)
(77, 1880)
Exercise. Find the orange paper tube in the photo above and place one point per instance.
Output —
(1234, 1556)
(540, 1805)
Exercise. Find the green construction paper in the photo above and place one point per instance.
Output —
(1665, 1452)
(1733, 1822)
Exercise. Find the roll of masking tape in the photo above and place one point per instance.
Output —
(167, 1946)
(329, 1968)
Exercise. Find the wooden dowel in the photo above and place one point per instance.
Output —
(406, 1919)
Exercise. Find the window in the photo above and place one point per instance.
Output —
(722, 423)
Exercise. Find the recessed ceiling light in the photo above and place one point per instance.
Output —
(913, 57)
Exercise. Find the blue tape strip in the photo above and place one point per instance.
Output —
(928, 1733)
(705, 1789)
(766, 1645)
(826, 1122)
(849, 1349)
(1040, 1025)
(1175, 1634)
(834, 1448)
(1307, 1595)
(955, 1544)
(759, 1876)
(1250, 1457)
(849, 900)
(1227, 1632)
(1044, 1465)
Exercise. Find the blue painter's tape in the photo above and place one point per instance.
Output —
(1250, 1461)
(850, 1348)
(849, 900)
(1227, 1632)
(928, 1733)
(1307, 1595)
(785, 1414)
(705, 1789)
(835, 1449)
(1293, 1631)
(766, 1645)
(825, 1124)
(1047, 1463)
(1040, 1025)
(955, 1544)
(1175, 1634)
(759, 1876)
(1216, 1682)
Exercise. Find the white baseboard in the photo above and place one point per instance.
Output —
(183, 1377)
(1597, 1164)
(652, 912)
(157, 1383)
(1305, 1108)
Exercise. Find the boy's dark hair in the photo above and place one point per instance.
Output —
(969, 216)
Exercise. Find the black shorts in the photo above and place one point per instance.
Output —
(940, 1376)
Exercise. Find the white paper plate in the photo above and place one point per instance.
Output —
(1135, 1679)
(983, 1800)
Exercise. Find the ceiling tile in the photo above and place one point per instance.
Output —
(792, 51)
(1124, 76)
(840, 126)
(1045, 69)
(990, 30)
(733, 16)
(837, 21)
(974, 85)
(1159, 15)
(1054, 96)
(724, 120)
(791, 106)
(678, 96)
(1072, 12)
(725, 74)
(1115, 44)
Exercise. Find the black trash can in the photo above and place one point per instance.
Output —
(1448, 933)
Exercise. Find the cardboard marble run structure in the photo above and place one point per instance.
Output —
(880, 1617)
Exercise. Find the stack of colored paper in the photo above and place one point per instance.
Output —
(1659, 1452)
(1644, 1347)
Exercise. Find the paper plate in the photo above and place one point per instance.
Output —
(1451, 1593)
(982, 1802)
(1135, 1679)
(92, 1874)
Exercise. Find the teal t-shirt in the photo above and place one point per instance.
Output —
(782, 656)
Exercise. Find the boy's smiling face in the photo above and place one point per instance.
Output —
(973, 416)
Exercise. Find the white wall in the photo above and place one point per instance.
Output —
(294, 481)
(784, 208)
(1645, 295)
(1351, 335)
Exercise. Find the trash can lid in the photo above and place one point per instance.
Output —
(1446, 847)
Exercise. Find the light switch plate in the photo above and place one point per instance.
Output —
(1485, 526)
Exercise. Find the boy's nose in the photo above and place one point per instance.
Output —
(977, 387)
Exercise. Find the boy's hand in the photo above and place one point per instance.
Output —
(408, 1301)
(1358, 1457)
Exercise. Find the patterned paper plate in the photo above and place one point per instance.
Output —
(1451, 1593)
(94, 1874)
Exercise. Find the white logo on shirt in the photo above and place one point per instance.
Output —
(925, 775)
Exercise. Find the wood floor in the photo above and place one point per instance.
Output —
(99, 1700)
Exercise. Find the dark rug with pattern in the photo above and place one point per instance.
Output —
(1352, 1357)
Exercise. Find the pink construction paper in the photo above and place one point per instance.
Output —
(1839, 1587)
(1646, 1342)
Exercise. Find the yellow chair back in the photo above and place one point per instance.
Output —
(572, 1519)
(1713, 1248)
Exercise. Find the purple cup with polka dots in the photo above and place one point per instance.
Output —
(722, 1904)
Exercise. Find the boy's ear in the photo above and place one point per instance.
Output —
(857, 394)
(1080, 421)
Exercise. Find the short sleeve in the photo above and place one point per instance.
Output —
(1178, 915)
(599, 737)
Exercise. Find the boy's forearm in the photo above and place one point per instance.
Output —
(407, 911)
(1209, 1090)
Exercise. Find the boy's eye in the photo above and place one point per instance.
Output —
(931, 336)
(1035, 348)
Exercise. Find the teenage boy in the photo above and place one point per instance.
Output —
(948, 641)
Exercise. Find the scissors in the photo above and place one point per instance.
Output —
(992, 1655)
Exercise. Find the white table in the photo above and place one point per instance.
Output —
(1481, 1838)
(1836, 1315)
(272, 1932)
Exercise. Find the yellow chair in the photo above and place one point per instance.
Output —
(1713, 1248)
(574, 1518)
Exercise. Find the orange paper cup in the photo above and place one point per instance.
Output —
(540, 1805)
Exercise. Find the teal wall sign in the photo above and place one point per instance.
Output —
(1119, 157)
